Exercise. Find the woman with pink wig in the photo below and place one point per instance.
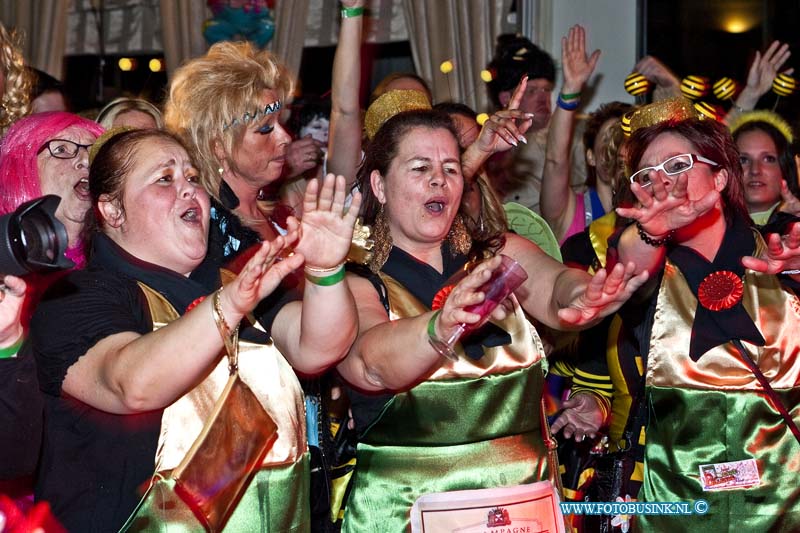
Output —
(41, 154)
(47, 153)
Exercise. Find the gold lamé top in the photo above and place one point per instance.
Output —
(391, 103)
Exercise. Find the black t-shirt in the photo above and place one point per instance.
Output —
(94, 464)
(20, 418)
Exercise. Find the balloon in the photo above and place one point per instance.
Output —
(637, 84)
(710, 111)
(446, 67)
(625, 123)
(253, 21)
(694, 87)
(726, 88)
(784, 85)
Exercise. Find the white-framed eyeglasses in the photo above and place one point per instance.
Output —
(63, 148)
(677, 164)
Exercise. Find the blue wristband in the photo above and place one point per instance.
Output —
(568, 106)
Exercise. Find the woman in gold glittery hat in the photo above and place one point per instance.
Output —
(712, 337)
(428, 422)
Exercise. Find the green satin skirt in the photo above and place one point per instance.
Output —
(276, 501)
(443, 436)
(689, 428)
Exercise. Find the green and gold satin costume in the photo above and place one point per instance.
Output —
(713, 410)
(471, 424)
(277, 498)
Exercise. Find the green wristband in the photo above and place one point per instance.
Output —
(350, 12)
(12, 351)
(432, 327)
(570, 96)
(327, 281)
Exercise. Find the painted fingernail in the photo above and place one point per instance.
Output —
(529, 115)
(513, 142)
(523, 139)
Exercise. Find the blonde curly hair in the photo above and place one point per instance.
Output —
(15, 98)
(209, 92)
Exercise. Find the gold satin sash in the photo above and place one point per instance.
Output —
(775, 312)
(525, 349)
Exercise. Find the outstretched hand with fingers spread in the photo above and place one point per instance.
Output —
(262, 273)
(661, 211)
(577, 66)
(326, 229)
(605, 294)
(582, 416)
(782, 253)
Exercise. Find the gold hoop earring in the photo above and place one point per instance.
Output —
(382, 238)
(459, 237)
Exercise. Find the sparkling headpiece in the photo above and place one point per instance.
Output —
(391, 103)
(104, 138)
(270, 108)
(773, 119)
(675, 109)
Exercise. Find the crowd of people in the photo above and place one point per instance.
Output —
(222, 347)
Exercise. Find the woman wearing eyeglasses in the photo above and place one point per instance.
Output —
(714, 335)
(40, 154)
(48, 153)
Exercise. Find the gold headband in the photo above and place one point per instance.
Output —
(676, 109)
(390, 104)
(104, 138)
(773, 119)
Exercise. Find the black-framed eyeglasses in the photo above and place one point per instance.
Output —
(677, 164)
(63, 148)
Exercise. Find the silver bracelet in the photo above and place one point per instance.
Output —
(791, 272)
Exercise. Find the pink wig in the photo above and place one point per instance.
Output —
(19, 171)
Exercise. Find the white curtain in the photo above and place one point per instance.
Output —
(290, 32)
(535, 21)
(461, 31)
(44, 26)
(182, 30)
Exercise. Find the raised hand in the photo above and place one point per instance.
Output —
(326, 229)
(12, 297)
(582, 416)
(765, 67)
(576, 65)
(654, 70)
(605, 293)
(782, 253)
(661, 211)
(506, 128)
(262, 273)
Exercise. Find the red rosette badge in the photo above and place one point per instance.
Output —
(720, 290)
(441, 296)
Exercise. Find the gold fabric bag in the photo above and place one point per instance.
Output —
(231, 447)
(215, 472)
